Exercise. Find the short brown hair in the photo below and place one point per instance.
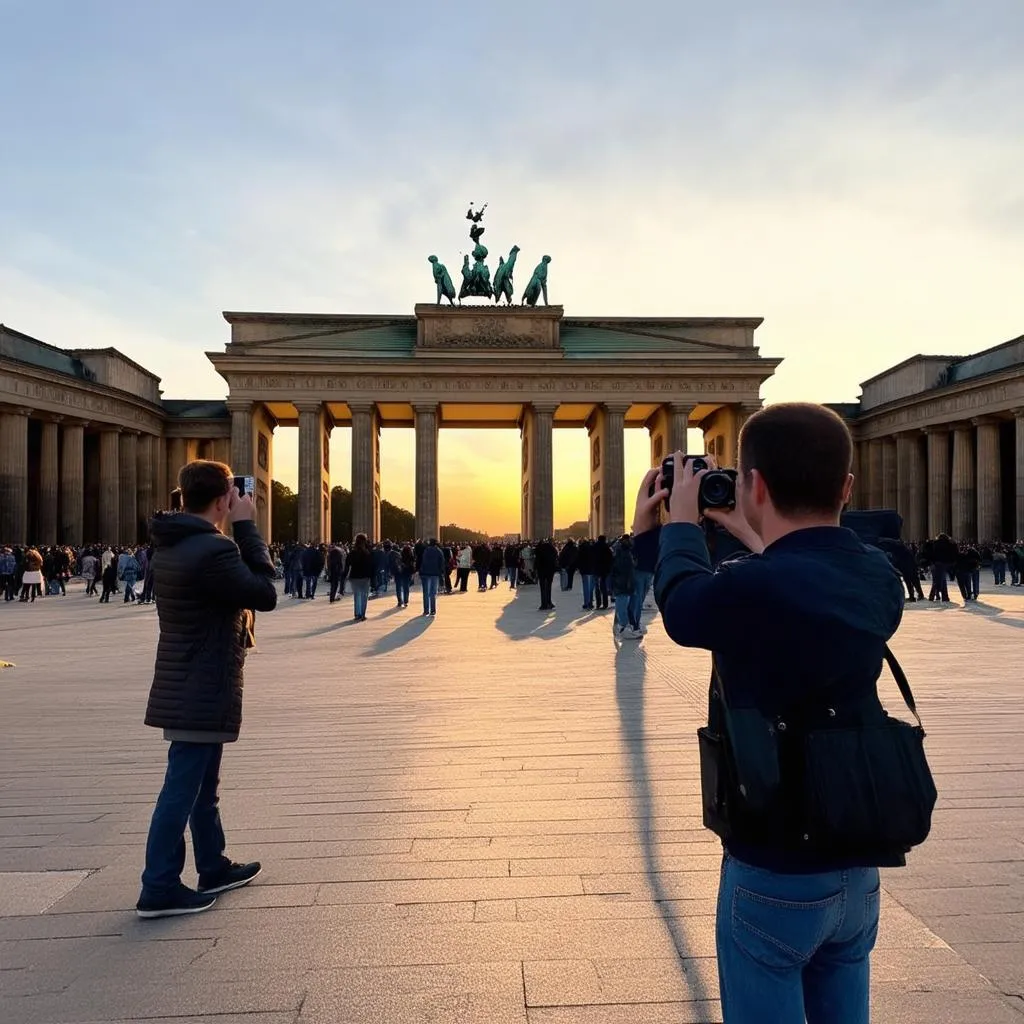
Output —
(803, 451)
(202, 482)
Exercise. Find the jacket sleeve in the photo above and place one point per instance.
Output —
(242, 576)
(697, 604)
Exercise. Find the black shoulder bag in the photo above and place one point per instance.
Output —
(859, 783)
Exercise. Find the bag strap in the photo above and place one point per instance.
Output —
(901, 681)
(894, 667)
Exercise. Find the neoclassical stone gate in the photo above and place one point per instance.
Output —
(476, 366)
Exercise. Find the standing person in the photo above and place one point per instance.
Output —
(482, 562)
(312, 567)
(602, 569)
(568, 560)
(360, 572)
(335, 569)
(7, 567)
(32, 575)
(431, 571)
(642, 580)
(585, 564)
(511, 558)
(497, 559)
(546, 559)
(972, 562)
(88, 567)
(109, 580)
(623, 580)
(1015, 562)
(205, 582)
(449, 567)
(404, 574)
(796, 920)
(943, 555)
(999, 566)
(464, 567)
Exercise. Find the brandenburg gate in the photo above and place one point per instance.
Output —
(527, 367)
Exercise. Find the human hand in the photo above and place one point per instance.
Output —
(733, 520)
(646, 517)
(683, 505)
(240, 507)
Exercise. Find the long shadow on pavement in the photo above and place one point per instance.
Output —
(546, 627)
(400, 636)
(630, 669)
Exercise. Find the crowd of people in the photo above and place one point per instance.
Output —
(608, 572)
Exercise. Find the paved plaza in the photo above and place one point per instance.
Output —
(487, 818)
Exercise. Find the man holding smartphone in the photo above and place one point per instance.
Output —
(210, 566)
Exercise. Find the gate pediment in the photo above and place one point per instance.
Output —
(467, 328)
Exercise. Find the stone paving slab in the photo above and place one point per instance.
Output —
(492, 816)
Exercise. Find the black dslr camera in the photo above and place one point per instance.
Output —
(717, 486)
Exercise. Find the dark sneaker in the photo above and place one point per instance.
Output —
(234, 876)
(183, 901)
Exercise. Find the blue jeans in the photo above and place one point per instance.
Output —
(796, 943)
(513, 576)
(402, 583)
(622, 614)
(188, 797)
(588, 590)
(641, 584)
(360, 596)
(311, 582)
(998, 573)
(429, 594)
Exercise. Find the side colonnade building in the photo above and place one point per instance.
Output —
(941, 440)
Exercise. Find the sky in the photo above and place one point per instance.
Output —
(850, 172)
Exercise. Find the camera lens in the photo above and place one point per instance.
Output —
(718, 489)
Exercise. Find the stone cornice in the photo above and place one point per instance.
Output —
(47, 391)
(946, 407)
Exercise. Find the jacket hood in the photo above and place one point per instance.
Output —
(170, 528)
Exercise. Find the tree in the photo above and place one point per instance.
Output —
(284, 513)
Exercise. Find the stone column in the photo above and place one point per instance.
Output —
(938, 482)
(542, 485)
(989, 481)
(365, 471)
(311, 471)
(110, 486)
(613, 497)
(14, 476)
(160, 473)
(426, 471)
(874, 481)
(743, 413)
(144, 503)
(678, 421)
(241, 438)
(1019, 494)
(903, 457)
(963, 494)
(889, 477)
(918, 521)
(177, 456)
(855, 471)
(128, 462)
(222, 450)
(72, 484)
(49, 483)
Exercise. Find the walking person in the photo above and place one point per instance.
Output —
(602, 569)
(32, 575)
(360, 573)
(335, 570)
(623, 580)
(404, 573)
(7, 569)
(128, 570)
(431, 571)
(585, 565)
(205, 582)
(511, 559)
(464, 567)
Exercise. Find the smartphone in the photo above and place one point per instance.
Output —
(246, 485)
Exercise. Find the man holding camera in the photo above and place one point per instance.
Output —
(205, 584)
(798, 624)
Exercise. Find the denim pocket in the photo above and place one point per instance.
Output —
(872, 909)
(781, 933)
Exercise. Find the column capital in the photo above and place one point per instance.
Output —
(426, 407)
(16, 410)
(361, 407)
(110, 428)
(936, 428)
(547, 408)
(309, 406)
(51, 417)
(239, 405)
(985, 421)
(619, 407)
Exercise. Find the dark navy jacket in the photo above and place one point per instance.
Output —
(811, 615)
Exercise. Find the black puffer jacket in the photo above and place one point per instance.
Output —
(204, 581)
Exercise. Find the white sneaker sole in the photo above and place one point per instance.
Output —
(229, 886)
(175, 911)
